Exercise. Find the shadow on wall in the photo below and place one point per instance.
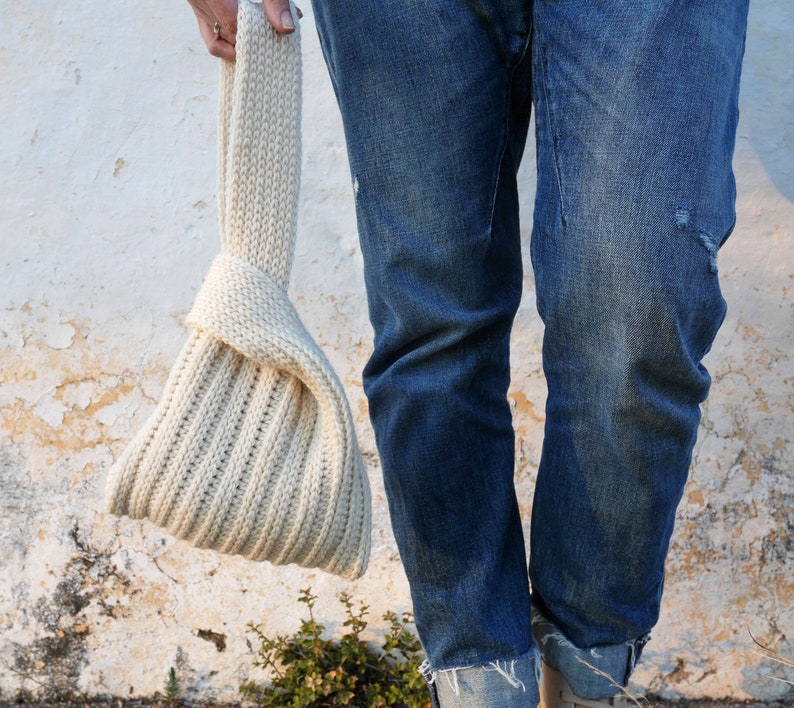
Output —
(767, 95)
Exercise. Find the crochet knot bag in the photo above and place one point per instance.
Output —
(251, 449)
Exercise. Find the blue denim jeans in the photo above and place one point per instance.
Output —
(635, 109)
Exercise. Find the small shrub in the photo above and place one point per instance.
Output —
(312, 672)
(172, 689)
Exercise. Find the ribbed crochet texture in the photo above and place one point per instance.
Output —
(252, 449)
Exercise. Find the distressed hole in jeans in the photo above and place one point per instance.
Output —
(683, 217)
(710, 244)
(683, 221)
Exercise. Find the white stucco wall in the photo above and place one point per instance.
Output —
(107, 225)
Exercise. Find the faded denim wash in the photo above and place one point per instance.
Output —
(636, 110)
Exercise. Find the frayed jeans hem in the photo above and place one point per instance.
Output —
(508, 683)
(593, 673)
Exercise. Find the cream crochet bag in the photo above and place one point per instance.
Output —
(252, 449)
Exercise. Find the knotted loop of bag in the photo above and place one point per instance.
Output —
(240, 305)
(252, 449)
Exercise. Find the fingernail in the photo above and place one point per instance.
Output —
(286, 20)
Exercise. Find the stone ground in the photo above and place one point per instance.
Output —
(143, 703)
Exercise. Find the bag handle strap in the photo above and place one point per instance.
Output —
(259, 145)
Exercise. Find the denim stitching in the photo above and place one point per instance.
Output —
(544, 87)
(506, 132)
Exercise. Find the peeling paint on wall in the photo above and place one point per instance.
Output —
(108, 225)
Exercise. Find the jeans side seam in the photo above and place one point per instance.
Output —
(505, 133)
(550, 119)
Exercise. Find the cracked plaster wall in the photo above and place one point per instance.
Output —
(108, 225)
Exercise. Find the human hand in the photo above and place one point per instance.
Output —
(217, 21)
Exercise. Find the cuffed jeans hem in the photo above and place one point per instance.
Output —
(511, 683)
(594, 673)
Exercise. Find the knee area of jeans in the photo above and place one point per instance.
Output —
(644, 315)
(594, 672)
(667, 257)
(502, 682)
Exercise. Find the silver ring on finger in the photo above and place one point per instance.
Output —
(217, 28)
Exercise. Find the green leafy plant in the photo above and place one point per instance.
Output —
(310, 671)
(172, 689)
